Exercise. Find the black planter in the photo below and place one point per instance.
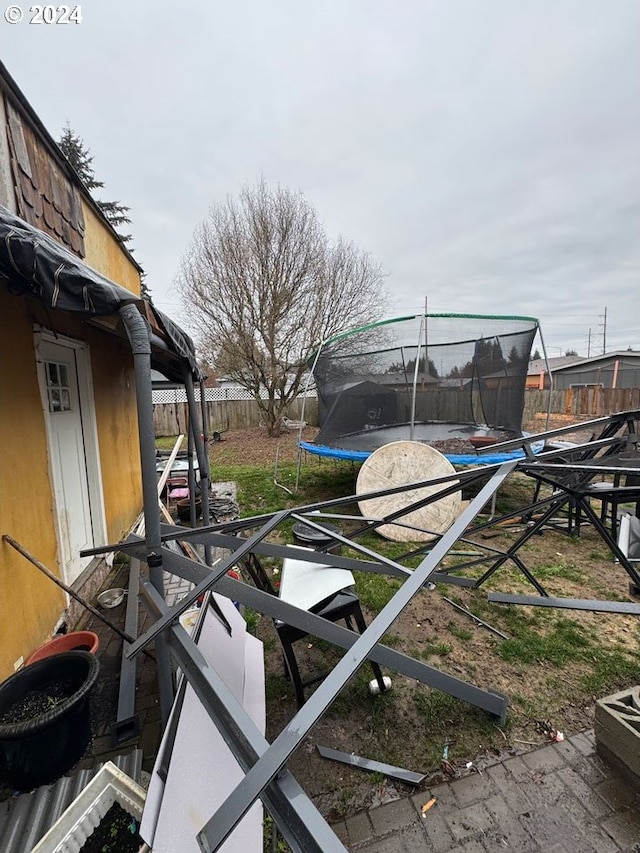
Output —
(40, 750)
(309, 537)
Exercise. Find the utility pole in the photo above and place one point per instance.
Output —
(589, 344)
(604, 331)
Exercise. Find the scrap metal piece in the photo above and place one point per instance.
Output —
(399, 773)
(474, 617)
(625, 607)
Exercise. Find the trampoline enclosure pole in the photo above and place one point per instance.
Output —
(415, 379)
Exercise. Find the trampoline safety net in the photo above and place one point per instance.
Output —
(432, 378)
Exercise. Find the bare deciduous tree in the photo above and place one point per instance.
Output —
(263, 286)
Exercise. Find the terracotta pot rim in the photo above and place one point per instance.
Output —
(66, 643)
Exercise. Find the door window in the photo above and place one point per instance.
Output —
(58, 387)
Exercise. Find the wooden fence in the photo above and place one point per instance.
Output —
(579, 403)
(173, 418)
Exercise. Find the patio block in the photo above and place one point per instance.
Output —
(617, 732)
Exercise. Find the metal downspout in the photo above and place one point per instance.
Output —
(191, 479)
(138, 332)
(204, 412)
(194, 427)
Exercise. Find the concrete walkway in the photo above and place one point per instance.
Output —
(561, 798)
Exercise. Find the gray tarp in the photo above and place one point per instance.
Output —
(35, 264)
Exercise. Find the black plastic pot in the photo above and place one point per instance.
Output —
(184, 508)
(309, 537)
(40, 750)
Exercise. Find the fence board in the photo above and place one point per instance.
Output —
(579, 403)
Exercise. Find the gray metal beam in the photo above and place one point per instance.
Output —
(300, 823)
(456, 580)
(492, 702)
(220, 569)
(462, 477)
(231, 542)
(126, 725)
(516, 443)
(592, 466)
(626, 607)
(226, 817)
(406, 776)
(381, 564)
(196, 435)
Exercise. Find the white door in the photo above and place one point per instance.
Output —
(69, 415)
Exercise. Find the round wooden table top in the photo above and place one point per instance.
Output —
(400, 463)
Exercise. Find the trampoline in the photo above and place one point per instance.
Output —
(453, 381)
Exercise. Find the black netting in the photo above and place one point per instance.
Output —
(471, 376)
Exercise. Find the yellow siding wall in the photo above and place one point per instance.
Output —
(31, 604)
(104, 254)
(116, 415)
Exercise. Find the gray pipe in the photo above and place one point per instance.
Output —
(203, 463)
(191, 479)
(139, 335)
(205, 418)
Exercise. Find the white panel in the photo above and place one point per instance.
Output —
(305, 584)
(202, 771)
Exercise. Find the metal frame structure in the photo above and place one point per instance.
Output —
(570, 471)
(264, 764)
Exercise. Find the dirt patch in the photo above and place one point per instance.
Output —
(254, 447)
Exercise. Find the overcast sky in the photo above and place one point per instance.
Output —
(485, 152)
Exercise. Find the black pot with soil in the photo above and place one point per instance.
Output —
(45, 719)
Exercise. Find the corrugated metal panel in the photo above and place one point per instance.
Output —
(25, 819)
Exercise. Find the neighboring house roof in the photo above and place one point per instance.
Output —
(539, 365)
(628, 355)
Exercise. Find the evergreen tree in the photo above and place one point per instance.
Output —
(80, 157)
(77, 153)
